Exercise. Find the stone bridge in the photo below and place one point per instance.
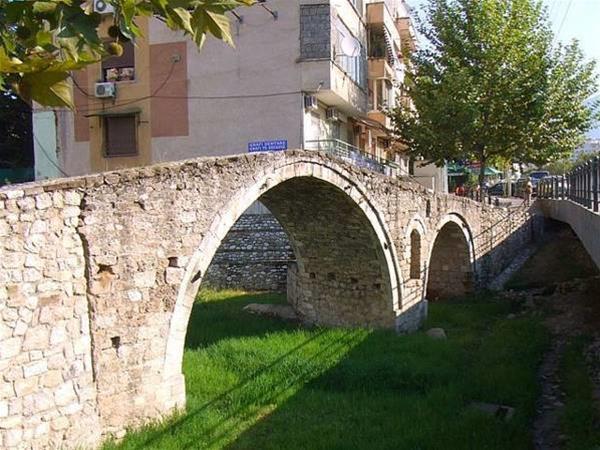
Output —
(99, 274)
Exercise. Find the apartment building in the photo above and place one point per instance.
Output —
(313, 74)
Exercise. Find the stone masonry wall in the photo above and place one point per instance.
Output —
(47, 391)
(253, 256)
(99, 275)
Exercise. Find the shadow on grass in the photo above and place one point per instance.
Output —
(413, 392)
(294, 388)
(219, 315)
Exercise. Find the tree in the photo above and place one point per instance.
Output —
(42, 41)
(16, 146)
(489, 86)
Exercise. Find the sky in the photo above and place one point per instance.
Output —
(570, 19)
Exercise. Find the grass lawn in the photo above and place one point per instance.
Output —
(580, 415)
(259, 383)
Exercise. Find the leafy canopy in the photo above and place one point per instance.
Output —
(42, 41)
(491, 86)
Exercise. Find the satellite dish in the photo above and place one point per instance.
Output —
(350, 46)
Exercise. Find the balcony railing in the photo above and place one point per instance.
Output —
(354, 155)
(581, 185)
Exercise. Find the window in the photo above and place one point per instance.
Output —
(358, 4)
(377, 44)
(415, 255)
(384, 94)
(120, 68)
(120, 135)
(354, 66)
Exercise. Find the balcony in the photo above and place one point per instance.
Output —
(354, 155)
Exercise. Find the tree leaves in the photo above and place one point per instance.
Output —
(490, 87)
(41, 41)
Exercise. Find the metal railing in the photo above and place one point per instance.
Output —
(581, 185)
(354, 155)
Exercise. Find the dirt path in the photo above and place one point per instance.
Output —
(572, 310)
(561, 284)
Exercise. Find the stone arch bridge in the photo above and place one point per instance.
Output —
(99, 274)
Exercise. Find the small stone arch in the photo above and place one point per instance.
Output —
(415, 247)
(296, 172)
(415, 255)
(451, 262)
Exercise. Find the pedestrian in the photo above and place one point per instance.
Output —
(527, 192)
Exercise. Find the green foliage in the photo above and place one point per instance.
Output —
(490, 86)
(257, 383)
(16, 137)
(42, 41)
(565, 165)
(580, 415)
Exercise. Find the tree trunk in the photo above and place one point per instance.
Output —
(481, 179)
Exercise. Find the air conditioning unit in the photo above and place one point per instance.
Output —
(332, 114)
(105, 90)
(310, 102)
(103, 7)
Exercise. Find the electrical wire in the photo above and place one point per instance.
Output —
(48, 157)
(563, 20)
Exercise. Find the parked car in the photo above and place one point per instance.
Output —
(538, 175)
(498, 188)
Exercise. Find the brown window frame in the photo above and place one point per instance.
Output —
(105, 133)
(120, 63)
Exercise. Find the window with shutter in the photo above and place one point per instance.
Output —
(120, 135)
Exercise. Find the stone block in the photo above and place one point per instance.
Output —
(43, 201)
(13, 437)
(36, 339)
(5, 332)
(26, 203)
(145, 279)
(60, 423)
(38, 226)
(42, 401)
(11, 260)
(52, 378)
(31, 275)
(58, 335)
(3, 408)
(4, 228)
(134, 295)
(64, 394)
(72, 198)
(20, 328)
(35, 368)
(41, 429)
(26, 386)
(174, 275)
(10, 347)
(34, 261)
(70, 211)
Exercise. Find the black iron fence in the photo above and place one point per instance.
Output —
(581, 185)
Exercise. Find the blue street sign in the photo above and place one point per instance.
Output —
(268, 146)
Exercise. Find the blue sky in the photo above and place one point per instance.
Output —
(570, 19)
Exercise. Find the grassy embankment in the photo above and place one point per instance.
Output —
(259, 383)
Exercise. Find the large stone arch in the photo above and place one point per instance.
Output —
(367, 222)
(451, 262)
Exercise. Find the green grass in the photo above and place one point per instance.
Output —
(258, 383)
(580, 418)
